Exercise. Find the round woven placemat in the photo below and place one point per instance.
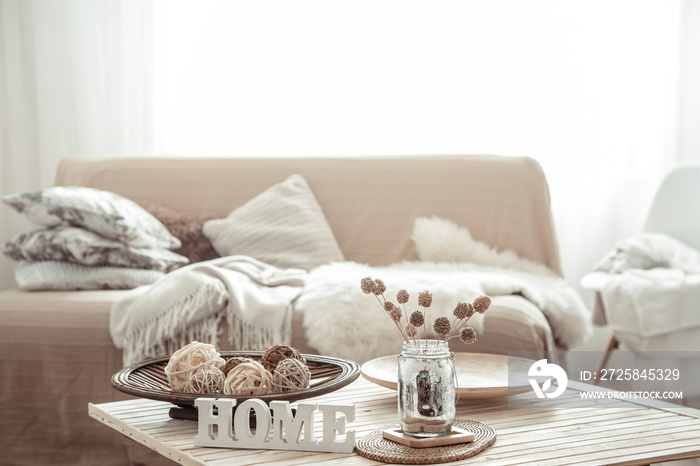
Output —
(374, 446)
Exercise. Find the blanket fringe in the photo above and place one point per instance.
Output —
(142, 343)
(163, 334)
(244, 336)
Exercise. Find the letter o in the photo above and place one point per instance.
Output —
(241, 422)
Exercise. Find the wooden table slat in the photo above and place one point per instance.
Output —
(610, 432)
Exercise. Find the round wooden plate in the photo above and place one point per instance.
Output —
(148, 380)
(481, 377)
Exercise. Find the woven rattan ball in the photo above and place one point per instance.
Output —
(233, 362)
(290, 375)
(184, 361)
(248, 378)
(205, 380)
(275, 354)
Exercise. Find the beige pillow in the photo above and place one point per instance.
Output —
(187, 227)
(283, 226)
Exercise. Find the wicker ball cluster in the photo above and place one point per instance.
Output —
(199, 368)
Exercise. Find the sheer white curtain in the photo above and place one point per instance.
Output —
(75, 79)
(588, 88)
(602, 93)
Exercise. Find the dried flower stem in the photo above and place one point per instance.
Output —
(410, 333)
(397, 323)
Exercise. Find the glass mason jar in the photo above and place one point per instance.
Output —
(426, 389)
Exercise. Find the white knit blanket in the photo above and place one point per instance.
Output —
(342, 321)
(187, 304)
(649, 286)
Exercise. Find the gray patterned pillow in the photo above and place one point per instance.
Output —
(283, 226)
(105, 213)
(81, 246)
(61, 276)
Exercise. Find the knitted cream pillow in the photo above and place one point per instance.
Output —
(63, 276)
(283, 226)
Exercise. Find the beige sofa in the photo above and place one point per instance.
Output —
(56, 350)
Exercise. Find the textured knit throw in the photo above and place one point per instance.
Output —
(187, 304)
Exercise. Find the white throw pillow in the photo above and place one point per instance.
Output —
(61, 276)
(440, 240)
(102, 212)
(283, 226)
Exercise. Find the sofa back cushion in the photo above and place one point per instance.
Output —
(370, 203)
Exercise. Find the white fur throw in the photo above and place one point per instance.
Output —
(440, 240)
(341, 321)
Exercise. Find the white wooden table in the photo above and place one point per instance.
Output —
(611, 433)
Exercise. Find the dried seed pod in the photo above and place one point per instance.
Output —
(379, 286)
(468, 335)
(481, 304)
(367, 285)
(411, 330)
(417, 319)
(425, 299)
(462, 310)
(442, 325)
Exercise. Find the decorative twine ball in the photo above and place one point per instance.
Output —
(248, 378)
(275, 354)
(290, 375)
(233, 362)
(206, 380)
(184, 361)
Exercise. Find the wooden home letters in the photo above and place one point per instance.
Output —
(277, 428)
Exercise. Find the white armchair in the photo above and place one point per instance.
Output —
(648, 287)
